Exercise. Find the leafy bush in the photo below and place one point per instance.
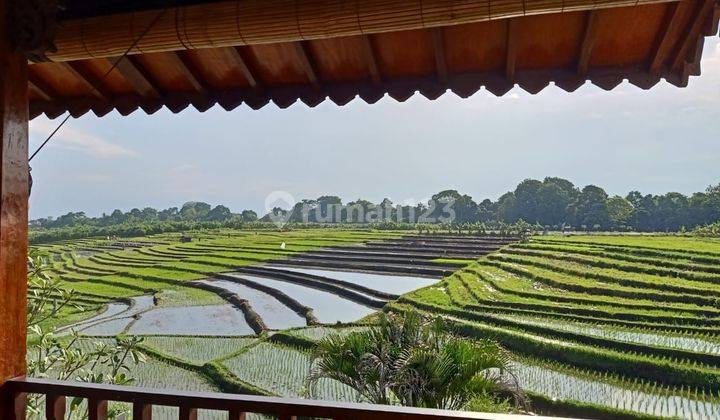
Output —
(415, 363)
(69, 358)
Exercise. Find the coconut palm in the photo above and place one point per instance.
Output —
(413, 362)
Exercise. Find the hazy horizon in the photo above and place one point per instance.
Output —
(653, 141)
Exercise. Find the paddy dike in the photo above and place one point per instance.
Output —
(410, 255)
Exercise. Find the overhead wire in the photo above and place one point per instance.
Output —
(94, 87)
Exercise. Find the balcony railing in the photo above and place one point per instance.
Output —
(143, 399)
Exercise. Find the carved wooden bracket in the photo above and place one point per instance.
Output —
(33, 24)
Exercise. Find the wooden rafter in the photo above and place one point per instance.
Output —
(239, 60)
(371, 60)
(133, 73)
(666, 43)
(588, 42)
(41, 87)
(512, 47)
(188, 70)
(93, 86)
(307, 63)
(703, 11)
(439, 49)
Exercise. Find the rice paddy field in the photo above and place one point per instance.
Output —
(600, 326)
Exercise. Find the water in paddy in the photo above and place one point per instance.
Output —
(113, 309)
(193, 320)
(563, 386)
(114, 320)
(275, 314)
(329, 308)
(382, 282)
(84, 253)
(113, 326)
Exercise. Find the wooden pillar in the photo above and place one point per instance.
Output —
(13, 203)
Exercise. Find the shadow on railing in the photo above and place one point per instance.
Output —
(14, 393)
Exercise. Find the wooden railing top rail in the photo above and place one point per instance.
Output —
(191, 401)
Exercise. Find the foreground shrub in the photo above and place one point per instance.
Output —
(414, 362)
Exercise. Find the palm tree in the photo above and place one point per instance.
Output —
(413, 362)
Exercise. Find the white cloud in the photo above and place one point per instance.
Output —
(79, 140)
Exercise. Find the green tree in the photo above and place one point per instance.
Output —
(219, 213)
(590, 208)
(248, 216)
(672, 211)
(194, 210)
(620, 211)
(553, 198)
(506, 208)
(414, 362)
(526, 200)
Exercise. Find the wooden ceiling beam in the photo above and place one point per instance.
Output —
(307, 63)
(664, 47)
(512, 47)
(239, 60)
(132, 71)
(88, 80)
(588, 42)
(703, 11)
(439, 49)
(41, 87)
(370, 58)
(182, 63)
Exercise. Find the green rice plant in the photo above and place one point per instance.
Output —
(283, 370)
(319, 332)
(657, 284)
(633, 396)
(198, 350)
(487, 285)
(663, 369)
(610, 263)
(705, 344)
(504, 283)
(572, 280)
(678, 262)
(667, 243)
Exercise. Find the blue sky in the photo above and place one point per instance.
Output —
(665, 139)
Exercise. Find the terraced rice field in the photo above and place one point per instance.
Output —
(601, 326)
(630, 323)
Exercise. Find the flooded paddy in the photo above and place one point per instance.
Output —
(381, 282)
(193, 320)
(273, 312)
(328, 308)
(114, 319)
(112, 310)
(110, 327)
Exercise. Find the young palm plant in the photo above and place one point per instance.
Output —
(413, 362)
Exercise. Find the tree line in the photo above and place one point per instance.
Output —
(193, 211)
(553, 203)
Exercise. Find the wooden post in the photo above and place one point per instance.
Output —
(13, 209)
(97, 409)
(236, 414)
(55, 406)
(142, 411)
